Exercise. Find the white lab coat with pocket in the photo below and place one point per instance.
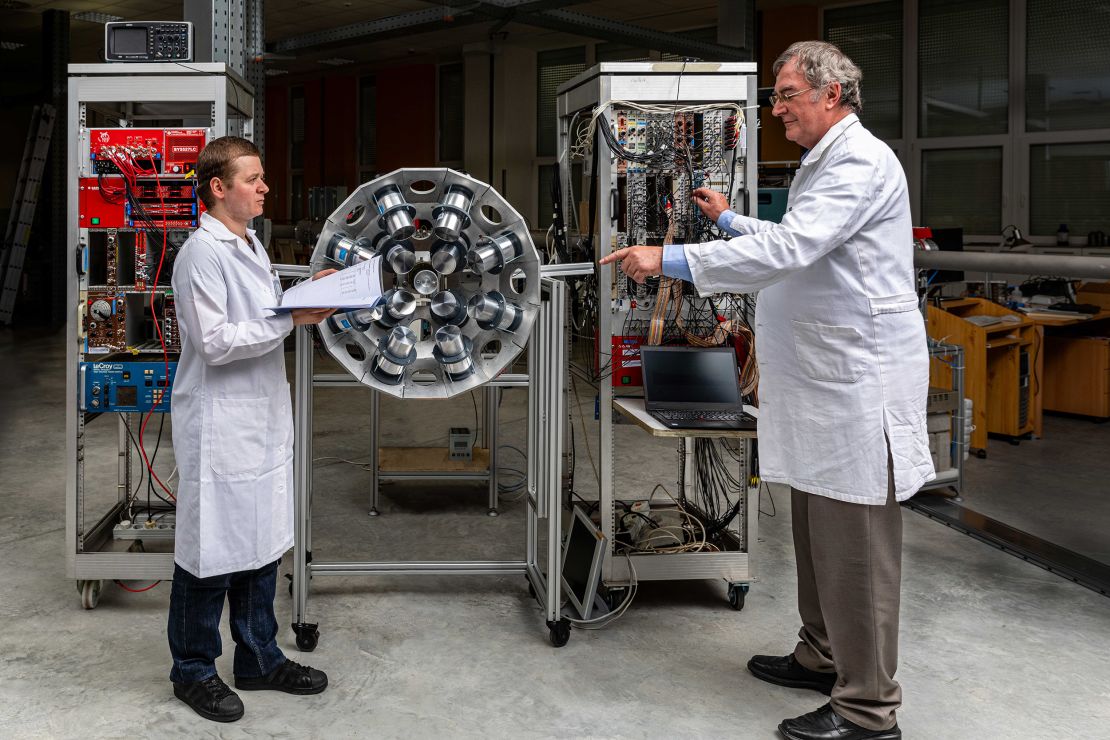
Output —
(232, 416)
(843, 360)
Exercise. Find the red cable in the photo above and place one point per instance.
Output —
(161, 338)
(136, 590)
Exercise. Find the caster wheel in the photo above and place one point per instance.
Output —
(374, 512)
(737, 594)
(307, 638)
(90, 593)
(493, 512)
(560, 632)
(615, 598)
(1015, 442)
(981, 454)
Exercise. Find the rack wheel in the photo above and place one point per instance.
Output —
(615, 597)
(307, 637)
(981, 454)
(737, 593)
(90, 593)
(493, 512)
(560, 632)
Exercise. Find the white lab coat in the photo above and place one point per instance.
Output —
(232, 416)
(843, 360)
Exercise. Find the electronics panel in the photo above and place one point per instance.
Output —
(148, 41)
(114, 151)
(137, 203)
(126, 386)
(658, 156)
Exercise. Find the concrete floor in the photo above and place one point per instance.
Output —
(991, 647)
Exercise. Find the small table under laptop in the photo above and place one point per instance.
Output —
(737, 566)
(634, 409)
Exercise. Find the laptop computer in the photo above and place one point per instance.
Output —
(693, 388)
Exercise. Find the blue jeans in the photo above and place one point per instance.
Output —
(196, 605)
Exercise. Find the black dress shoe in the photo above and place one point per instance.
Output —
(825, 724)
(786, 671)
(210, 698)
(290, 677)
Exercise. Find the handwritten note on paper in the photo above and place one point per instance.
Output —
(359, 286)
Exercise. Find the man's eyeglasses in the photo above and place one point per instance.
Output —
(785, 98)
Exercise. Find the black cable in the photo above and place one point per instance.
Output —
(136, 444)
(771, 498)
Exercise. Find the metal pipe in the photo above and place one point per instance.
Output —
(302, 472)
(1009, 262)
(375, 429)
(492, 398)
(567, 269)
(444, 567)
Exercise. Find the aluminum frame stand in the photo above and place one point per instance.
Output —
(658, 83)
(489, 440)
(210, 96)
(545, 382)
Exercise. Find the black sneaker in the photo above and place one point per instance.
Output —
(786, 671)
(290, 677)
(211, 698)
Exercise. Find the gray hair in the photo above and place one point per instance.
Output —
(822, 64)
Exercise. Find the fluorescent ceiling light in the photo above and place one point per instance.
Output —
(276, 72)
(11, 45)
(336, 61)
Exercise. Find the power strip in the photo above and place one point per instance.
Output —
(140, 531)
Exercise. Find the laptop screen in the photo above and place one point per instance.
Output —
(694, 377)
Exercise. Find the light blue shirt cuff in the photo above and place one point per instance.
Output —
(724, 222)
(675, 264)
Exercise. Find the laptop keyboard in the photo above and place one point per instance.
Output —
(681, 415)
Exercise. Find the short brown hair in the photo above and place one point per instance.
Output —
(217, 160)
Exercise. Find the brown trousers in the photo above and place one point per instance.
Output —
(849, 575)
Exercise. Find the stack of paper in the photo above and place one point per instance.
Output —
(359, 286)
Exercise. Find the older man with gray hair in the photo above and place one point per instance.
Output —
(844, 375)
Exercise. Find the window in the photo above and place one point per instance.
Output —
(871, 35)
(1067, 72)
(1069, 184)
(963, 62)
(553, 68)
(367, 127)
(962, 188)
(452, 113)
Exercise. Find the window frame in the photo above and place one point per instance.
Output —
(1015, 207)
